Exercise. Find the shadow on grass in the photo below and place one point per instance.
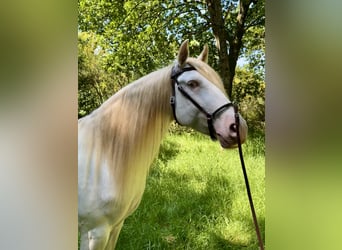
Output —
(223, 243)
(177, 215)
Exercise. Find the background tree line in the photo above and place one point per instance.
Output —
(120, 41)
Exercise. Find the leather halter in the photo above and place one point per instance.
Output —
(175, 73)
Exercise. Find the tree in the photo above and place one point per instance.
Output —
(95, 83)
(229, 24)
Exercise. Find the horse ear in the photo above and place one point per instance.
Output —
(204, 54)
(183, 53)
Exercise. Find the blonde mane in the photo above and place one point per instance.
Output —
(127, 129)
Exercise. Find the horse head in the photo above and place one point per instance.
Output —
(200, 100)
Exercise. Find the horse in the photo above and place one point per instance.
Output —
(118, 141)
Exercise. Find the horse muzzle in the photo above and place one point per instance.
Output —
(226, 131)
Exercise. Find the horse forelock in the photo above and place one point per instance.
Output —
(208, 72)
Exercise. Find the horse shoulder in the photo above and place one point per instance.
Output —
(96, 185)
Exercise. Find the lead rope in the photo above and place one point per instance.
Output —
(237, 122)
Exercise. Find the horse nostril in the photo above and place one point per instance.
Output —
(233, 127)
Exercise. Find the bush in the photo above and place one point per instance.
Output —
(249, 92)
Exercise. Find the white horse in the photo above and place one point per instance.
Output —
(118, 142)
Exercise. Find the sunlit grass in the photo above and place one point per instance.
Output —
(195, 197)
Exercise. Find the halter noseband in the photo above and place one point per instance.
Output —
(175, 73)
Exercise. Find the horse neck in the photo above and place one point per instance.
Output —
(146, 106)
(131, 124)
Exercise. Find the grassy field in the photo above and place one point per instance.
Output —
(195, 198)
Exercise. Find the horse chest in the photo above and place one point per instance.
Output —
(101, 197)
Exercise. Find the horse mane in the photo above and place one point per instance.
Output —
(126, 131)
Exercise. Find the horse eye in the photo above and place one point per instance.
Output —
(192, 84)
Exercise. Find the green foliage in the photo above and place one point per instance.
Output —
(95, 83)
(133, 32)
(89, 74)
(254, 50)
(249, 92)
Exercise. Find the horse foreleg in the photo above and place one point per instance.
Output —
(114, 235)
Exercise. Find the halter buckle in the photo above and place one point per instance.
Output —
(172, 100)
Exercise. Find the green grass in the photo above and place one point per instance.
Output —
(195, 198)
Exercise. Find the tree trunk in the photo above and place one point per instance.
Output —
(235, 41)
(217, 24)
(227, 62)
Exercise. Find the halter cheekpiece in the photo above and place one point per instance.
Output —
(175, 73)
